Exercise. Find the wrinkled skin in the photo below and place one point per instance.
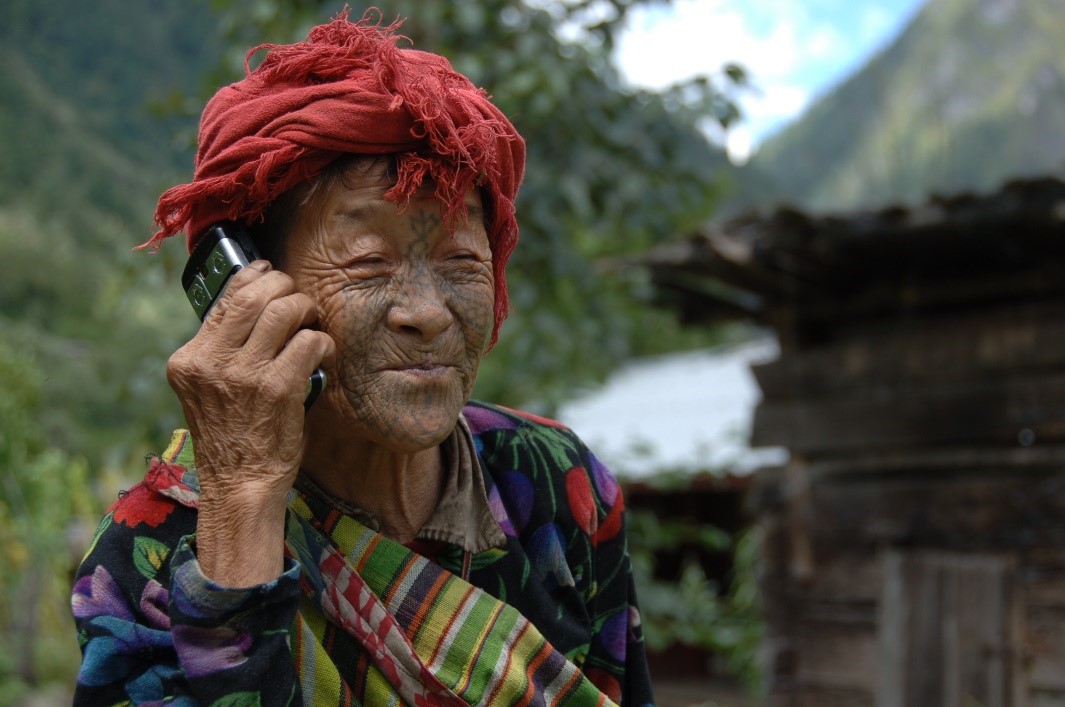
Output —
(408, 303)
(401, 311)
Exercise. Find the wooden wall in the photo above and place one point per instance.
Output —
(915, 549)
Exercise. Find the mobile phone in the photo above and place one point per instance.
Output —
(224, 249)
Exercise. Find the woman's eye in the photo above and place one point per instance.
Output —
(367, 261)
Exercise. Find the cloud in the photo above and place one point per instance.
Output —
(777, 41)
(782, 101)
(823, 42)
(686, 40)
(779, 104)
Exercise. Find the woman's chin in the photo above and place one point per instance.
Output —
(405, 426)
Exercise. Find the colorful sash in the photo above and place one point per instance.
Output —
(432, 638)
(428, 637)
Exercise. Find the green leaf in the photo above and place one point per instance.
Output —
(104, 525)
(525, 572)
(149, 555)
(239, 699)
(484, 559)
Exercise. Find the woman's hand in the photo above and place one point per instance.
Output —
(241, 382)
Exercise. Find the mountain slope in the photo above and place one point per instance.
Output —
(95, 318)
(112, 59)
(83, 161)
(970, 95)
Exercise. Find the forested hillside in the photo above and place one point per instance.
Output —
(86, 323)
(82, 161)
(970, 95)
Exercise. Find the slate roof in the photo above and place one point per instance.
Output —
(809, 269)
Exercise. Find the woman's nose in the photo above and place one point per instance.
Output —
(419, 307)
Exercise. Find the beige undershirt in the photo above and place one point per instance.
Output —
(462, 517)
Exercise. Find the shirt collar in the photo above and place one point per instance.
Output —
(463, 516)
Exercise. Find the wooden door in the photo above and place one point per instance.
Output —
(949, 627)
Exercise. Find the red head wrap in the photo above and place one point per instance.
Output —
(349, 89)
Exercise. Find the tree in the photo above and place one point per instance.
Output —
(610, 172)
(45, 500)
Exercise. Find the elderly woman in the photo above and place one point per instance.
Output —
(396, 543)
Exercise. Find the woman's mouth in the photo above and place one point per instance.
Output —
(423, 369)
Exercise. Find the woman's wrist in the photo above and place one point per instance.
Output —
(240, 538)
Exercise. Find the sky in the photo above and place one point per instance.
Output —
(793, 50)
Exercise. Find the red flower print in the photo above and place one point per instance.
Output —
(611, 525)
(141, 505)
(534, 418)
(607, 683)
(581, 501)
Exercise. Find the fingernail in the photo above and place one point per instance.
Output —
(260, 265)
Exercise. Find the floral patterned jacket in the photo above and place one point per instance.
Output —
(141, 606)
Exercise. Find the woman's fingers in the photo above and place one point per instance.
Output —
(306, 351)
(278, 322)
(232, 319)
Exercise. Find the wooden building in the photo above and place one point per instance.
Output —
(915, 551)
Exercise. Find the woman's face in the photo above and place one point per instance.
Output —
(408, 302)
